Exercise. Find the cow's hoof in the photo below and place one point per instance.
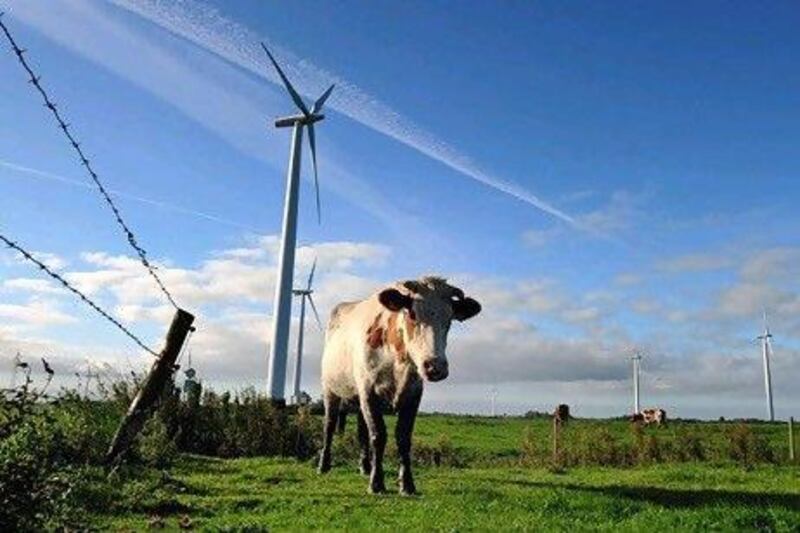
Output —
(324, 468)
(407, 487)
(377, 488)
(408, 491)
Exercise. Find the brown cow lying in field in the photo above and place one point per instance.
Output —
(382, 349)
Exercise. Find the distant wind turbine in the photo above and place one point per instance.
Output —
(766, 352)
(636, 359)
(304, 294)
(90, 374)
(276, 381)
(16, 364)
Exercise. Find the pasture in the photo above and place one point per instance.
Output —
(482, 483)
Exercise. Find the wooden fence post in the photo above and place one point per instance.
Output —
(556, 428)
(152, 387)
(791, 439)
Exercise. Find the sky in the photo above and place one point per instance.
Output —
(603, 177)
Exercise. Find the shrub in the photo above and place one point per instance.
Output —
(38, 451)
(155, 447)
(598, 446)
(747, 448)
(689, 446)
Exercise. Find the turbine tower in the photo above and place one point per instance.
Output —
(636, 359)
(90, 374)
(282, 307)
(766, 352)
(298, 361)
(16, 363)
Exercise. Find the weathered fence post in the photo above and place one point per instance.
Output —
(556, 429)
(791, 439)
(152, 387)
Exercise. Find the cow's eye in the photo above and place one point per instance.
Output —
(411, 314)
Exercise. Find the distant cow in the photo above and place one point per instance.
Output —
(653, 416)
(561, 414)
(381, 350)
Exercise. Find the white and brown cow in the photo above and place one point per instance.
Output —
(654, 416)
(382, 349)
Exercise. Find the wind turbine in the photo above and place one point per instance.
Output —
(16, 364)
(276, 381)
(493, 392)
(90, 374)
(766, 352)
(636, 359)
(304, 294)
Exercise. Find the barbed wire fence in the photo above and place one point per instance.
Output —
(64, 283)
(164, 366)
(35, 81)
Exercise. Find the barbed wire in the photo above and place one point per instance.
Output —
(27, 255)
(64, 127)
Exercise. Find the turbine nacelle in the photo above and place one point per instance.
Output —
(302, 292)
(303, 120)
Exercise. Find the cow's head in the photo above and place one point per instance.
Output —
(425, 310)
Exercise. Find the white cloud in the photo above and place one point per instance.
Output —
(32, 285)
(616, 216)
(701, 262)
(36, 313)
(531, 331)
(536, 238)
(767, 279)
(772, 265)
(628, 279)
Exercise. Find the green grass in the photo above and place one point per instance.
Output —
(493, 493)
(286, 495)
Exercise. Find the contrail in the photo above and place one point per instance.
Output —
(206, 28)
(40, 174)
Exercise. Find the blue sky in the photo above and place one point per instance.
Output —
(600, 175)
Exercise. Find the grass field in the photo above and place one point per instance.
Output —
(493, 493)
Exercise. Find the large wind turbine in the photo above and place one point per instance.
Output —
(304, 294)
(766, 352)
(276, 381)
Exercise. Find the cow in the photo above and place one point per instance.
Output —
(654, 416)
(381, 350)
(651, 416)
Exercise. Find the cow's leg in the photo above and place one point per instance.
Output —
(371, 410)
(363, 440)
(332, 405)
(406, 415)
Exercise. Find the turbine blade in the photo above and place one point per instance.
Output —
(311, 274)
(316, 315)
(296, 97)
(317, 107)
(312, 141)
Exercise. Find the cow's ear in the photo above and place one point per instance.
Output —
(394, 300)
(466, 308)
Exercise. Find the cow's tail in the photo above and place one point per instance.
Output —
(341, 421)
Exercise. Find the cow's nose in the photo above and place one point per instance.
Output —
(435, 370)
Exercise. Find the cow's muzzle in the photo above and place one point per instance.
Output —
(434, 370)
